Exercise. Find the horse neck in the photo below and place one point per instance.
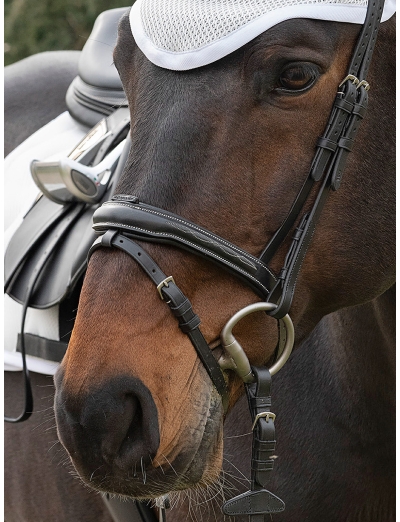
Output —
(361, 342)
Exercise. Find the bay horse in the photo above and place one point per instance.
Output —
(228, 146)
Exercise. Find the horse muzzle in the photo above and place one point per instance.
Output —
(112, 435)
(108, 430)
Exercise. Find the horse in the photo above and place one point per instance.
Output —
(221, 145)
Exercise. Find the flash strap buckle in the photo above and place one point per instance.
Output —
(263, 415)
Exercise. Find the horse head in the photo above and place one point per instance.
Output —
(227, 146)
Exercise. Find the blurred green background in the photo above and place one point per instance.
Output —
(33, 26)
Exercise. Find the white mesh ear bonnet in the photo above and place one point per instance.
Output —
(185, 34)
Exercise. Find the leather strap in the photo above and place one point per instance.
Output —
(259, 503)
(129, 510)
(141, 221)
(329, 162)
(179, 304)
(362, 53)
(53, 241)
(47, 349)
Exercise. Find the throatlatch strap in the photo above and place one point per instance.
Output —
(180, 305)
(259, 502)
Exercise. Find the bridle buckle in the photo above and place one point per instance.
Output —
(163, 283)
(263, 415)
(352, 78)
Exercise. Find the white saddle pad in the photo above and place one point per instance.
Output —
(51, 142)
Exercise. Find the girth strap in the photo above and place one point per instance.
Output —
(179, 304)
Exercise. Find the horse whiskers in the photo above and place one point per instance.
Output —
(55, 443)
(91, 476)
(171, 466)
(157, 464)
(202, 497)
(49, 418)
(143, 470)
(237, 469)
(237, 436)
(240, 480)
(54, 427)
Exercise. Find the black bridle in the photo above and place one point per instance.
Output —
(125, 218)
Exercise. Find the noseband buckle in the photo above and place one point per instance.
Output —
(163, 283)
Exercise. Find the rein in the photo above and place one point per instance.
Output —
(125, 218)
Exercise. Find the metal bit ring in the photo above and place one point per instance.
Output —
(237, 359)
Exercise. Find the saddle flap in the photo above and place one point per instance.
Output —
(68, 229)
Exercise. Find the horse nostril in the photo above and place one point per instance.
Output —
(135, 430)
(122, 427)
(116, 424)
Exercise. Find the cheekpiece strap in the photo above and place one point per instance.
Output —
(329, 162)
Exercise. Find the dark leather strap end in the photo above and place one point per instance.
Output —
(254, 503)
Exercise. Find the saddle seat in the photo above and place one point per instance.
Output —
(97, 90)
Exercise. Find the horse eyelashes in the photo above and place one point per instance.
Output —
(298, 77)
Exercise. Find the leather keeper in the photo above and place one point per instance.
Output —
(190, 325)
(181, 309)
(297, 234)
(346, 143)
(344, 105)
(359, 110)
(265, 445)
(262, 465)
(327, 144)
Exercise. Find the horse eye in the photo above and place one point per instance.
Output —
(297, 77)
